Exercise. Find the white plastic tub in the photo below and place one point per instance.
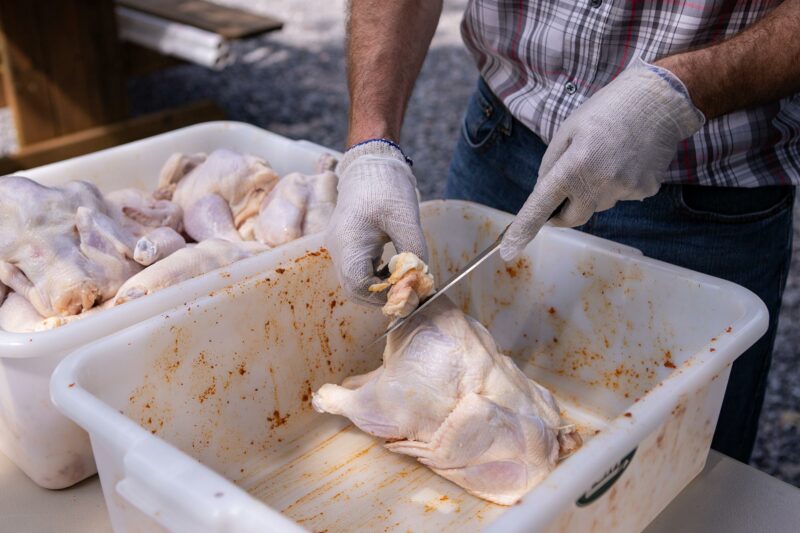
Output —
(200, 418)
(50, 449)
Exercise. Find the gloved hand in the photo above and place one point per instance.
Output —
(377, 202)
(615, 146)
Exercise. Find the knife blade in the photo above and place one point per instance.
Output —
(472, 265)
(469, 267)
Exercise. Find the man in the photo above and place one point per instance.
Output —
(690, 108)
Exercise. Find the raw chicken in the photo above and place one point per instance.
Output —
(211, 218)
(184, 264)
(106, 244)
(241, 181)
(176, 167)
(410, 282)
(281, 217)
(447, 396)
(62, 260)
(67, 249)
(298, 205)
(19, 316)
(139, 212)
(155, 223)
(156, 245)
(321, 202)
(322, 195)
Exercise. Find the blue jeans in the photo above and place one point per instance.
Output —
(742, 235)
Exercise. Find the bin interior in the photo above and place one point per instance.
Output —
(228, 378)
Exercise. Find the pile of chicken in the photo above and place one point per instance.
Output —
(67, 252)
(446, 396)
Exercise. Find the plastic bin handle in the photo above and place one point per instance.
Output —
(180, 494)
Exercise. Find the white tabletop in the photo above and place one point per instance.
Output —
(727, 496)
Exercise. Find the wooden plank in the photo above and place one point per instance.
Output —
(3, 101)
(140, 60)
(100, 137)
(63, 70)
(226, 21)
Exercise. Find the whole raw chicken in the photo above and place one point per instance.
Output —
(218, 193)
(447, 396)
(59, 248)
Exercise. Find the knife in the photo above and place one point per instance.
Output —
(472, 265)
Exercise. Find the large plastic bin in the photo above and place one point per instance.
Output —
(200, 418)
(50, 449)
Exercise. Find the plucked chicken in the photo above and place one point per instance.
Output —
(238, 181)
(448, 397)
(156, 224)
(67, 252)
(322, 195)
(281, 217)
(61, 260)
(139, 212)
(156, 245)
(298, 205)
(19, 316)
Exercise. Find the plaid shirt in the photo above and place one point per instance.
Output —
(543, 58)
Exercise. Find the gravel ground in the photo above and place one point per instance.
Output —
(292, 82)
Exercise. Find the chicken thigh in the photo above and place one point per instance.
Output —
(240, 181)
(59, 248)
(448, 397)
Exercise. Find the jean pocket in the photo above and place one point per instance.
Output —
(733, 204)
(486, 117)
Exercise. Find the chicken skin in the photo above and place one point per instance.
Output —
(238, 181)
(409, 283)
(184, 264)
(447, 396)
(298, 205)
(59, 248)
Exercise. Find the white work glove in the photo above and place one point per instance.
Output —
(377, 202)
(615, 146)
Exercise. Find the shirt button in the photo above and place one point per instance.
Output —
(595, 3)
(570, 88)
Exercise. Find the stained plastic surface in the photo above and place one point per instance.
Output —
(200, 417)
